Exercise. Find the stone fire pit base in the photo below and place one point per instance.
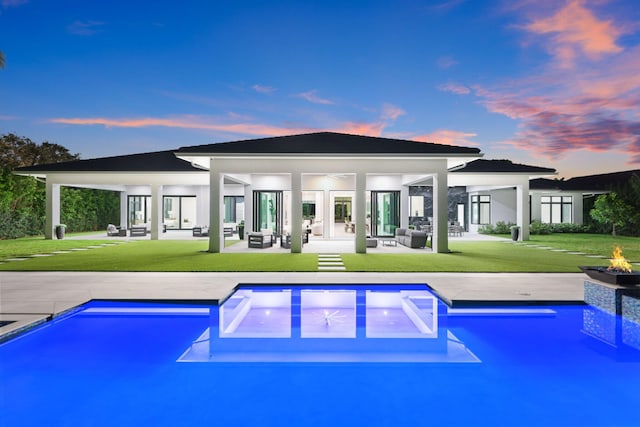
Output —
(608, 297)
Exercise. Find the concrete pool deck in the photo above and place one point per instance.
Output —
(28, 298)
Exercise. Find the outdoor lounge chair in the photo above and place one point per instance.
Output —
(261, 239)
(113, 231)
(200, 231)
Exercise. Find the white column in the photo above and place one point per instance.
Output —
(123, 209)
(52, 209)
(404, 206)
(361, 213)
(248, 209)
(327, 214)
(440, 239)
(216, 208)
(296, 212)
(522, 209)
(156, 211)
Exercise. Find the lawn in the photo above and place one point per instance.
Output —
(188, 255)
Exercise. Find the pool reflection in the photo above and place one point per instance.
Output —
(312, 324)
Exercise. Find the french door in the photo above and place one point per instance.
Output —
(385, 207)
(267, 211)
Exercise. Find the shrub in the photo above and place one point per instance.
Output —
(503, 227)
(568, 228)
(487, 229)
(538, 227)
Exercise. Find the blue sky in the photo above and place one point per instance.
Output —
(548, 83)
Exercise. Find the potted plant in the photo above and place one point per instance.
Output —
(60, 231)
(241, 230)
(515, 232)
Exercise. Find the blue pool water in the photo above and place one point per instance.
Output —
(324, 357)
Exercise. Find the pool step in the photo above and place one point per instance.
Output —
(330, 262)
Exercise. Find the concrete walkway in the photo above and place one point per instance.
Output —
(27, 298)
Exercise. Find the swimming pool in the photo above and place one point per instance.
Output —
(307, 355)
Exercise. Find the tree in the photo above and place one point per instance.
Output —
(611, 209)
(22, 199)
(17, 151)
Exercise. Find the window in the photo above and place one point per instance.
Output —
(308, 210)
(139, 210)
(179, 212)
(481, 209)
(556, 209)
(416, 206)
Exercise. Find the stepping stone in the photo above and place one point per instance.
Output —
(79, 249)
(94, 247)
(596, 256)
(559, 250)
(41, 255)
(544, 247)
(332, 268)
(324, 264)
(576, 253)
(61, 252)
(16, 259)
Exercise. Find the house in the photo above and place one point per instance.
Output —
(325, 179)
(556, 201)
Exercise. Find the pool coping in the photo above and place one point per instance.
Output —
(31, 298)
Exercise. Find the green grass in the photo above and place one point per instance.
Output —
(191, 255)
(600, 244)
(161, 255)
(492, 257)
(38, 245)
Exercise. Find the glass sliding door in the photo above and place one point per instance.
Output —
(139, 210)
(233, 209)
(179, 212)
(171, 212)
(385, 206)
(268, 212)
(187, 212)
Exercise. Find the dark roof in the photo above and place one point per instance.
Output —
(327, 143)
(502, 166)
(159, 161)
(600, 182)
(544, 184)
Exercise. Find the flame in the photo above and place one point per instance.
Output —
(618, 262)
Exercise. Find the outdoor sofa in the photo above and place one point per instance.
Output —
(411, 238)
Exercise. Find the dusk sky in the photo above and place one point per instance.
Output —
(547, 83)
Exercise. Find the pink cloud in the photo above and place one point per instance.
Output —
(187, 122)
(575, 30)
(448, 137)
(456, 88)
(445, 62)
(237, 124)
(313, 98)
(560, 110)
(391, 112)
(361, 128)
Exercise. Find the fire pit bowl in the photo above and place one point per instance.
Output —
(612, 277)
